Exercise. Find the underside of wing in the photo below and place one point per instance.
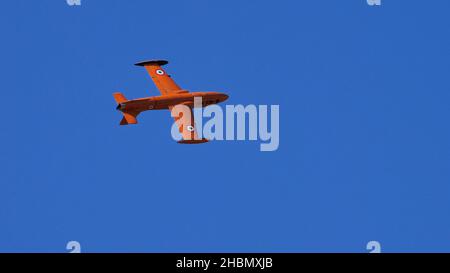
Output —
(184, 119)
(165, 84)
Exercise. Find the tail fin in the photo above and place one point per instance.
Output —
(119, 97)
(129, 117)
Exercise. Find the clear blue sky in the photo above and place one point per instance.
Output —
(364, 136)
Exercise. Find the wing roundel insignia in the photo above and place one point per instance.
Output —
(160, 72)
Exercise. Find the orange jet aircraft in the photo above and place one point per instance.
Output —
(171, 95)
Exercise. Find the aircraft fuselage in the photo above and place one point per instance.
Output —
(167, 101)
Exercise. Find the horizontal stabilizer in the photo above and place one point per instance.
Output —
(129, 118)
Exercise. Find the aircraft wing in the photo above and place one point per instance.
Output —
(187, 128)
(165, 84)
